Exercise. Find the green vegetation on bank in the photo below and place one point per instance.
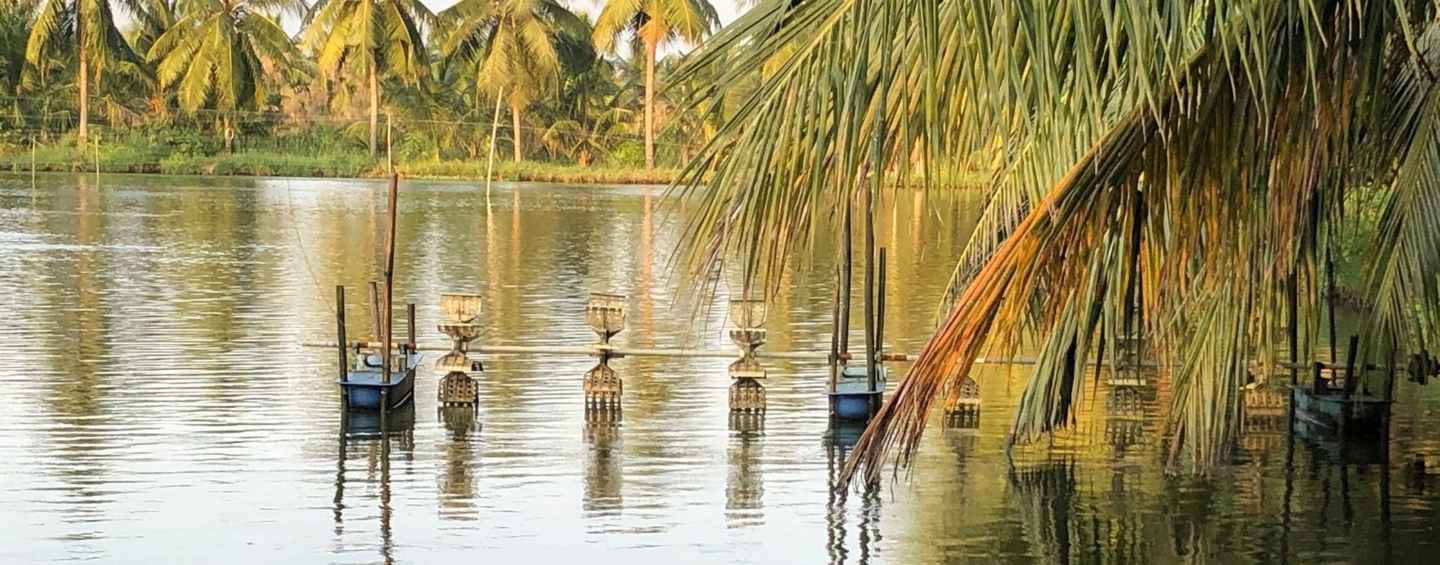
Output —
(529, 79)
(128, 158)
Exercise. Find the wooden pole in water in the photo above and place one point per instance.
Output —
(376, 331)
(835, 335)
(880, 305)
(1350, 380)
(847, 258)
(340, 331)
(32, 161)
(878, 356)
(876, 166)
(410, 325)
(870, 363)
(1330, 303)
(390, 271)
(1294, 329)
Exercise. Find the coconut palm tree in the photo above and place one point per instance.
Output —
(512, 47)
(651, 24)
(14, 32)
(217, 54)
(378, 36)
(89, 25)
(1171, 169)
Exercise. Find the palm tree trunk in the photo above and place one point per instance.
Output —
(84, 132)
(515, 129)
(229, 136)
(374, 108)
(650, 48)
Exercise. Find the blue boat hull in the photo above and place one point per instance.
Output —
(1332, 412)
(365, 389)
(852, 406)
(850, 399)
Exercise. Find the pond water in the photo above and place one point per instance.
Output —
(159, 410)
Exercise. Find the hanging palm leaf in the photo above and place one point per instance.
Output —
(1191, 157)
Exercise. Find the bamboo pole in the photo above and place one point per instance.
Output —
(1294, 329)
(390, 273)
(1330, 303)
(876, 167)
(848, 259)
(835, 334)
(880, 313)
(340, 332)
(871, 366)
(375, 322)
(1350, 380)
(410, 325)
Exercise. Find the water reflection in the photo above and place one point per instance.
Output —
(371, 435)
(860, 505)
(744, 480)
(457, 485)
(602, 466)
(160, 407)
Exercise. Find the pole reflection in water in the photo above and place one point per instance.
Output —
(373, 434)
(1042, 497)
(602, 467)
(457, 488)
(744, 483)
(840, 439)
(1124, 420)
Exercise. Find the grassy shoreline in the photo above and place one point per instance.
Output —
(157, 159)
(123, 160)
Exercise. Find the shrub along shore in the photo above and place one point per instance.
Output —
(143, 158)
(130, 159)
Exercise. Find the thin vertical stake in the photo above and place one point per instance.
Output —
(1330, 304)
(376, 324)
(1294, 323)
(1350, 380)
(340, 331)
(847, 257)
(880, 311)
(390, 272)
(835, 336)
(410, 324)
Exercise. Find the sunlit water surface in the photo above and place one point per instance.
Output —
(159, 410)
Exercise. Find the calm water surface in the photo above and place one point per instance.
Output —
(158, 409)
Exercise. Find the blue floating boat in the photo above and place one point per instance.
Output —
(851, 398)
(1333, 412)
(365, 387)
